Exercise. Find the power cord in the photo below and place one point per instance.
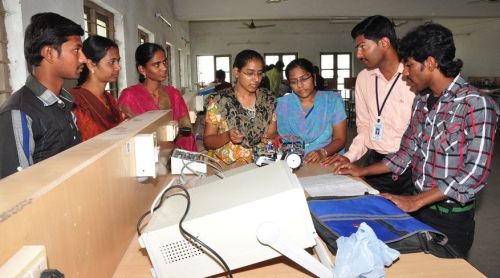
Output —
(183, 231)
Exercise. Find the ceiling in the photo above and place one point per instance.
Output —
(200, 10)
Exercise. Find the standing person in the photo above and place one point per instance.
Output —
(239, 117)
(275, 76)
(220, 79)
(449, 143)
(95, 109)
(151, 94)
(36, 121)
(383, 102)
(318, 117)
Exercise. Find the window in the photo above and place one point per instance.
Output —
(206, 66)
(271, 59)
(99, 21)
(5, 89)
(168, 53)
(336, 66)
(143, 36)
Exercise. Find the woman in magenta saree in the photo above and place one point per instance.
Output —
(152, 94)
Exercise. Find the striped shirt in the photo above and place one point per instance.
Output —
(449, 147)
(36, 124)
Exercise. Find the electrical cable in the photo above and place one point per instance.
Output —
(193, 238)
(139, 222)
(183, 231)
(160, 195)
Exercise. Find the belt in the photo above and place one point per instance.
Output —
(453, 209)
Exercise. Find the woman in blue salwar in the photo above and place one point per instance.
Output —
(318, 117)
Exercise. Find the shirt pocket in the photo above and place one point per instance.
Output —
(448, 136)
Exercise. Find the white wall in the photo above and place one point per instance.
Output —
(129, 14)
(310, 37)
(477, 42)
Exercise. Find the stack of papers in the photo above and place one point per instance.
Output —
(335, 185)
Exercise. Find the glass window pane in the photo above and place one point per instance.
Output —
(222, 63)
(102, 31)
(343, 74)
(343, 61)
(271, 59)
(205, 68)
(288, 58)
(326, 61)
(327, 73)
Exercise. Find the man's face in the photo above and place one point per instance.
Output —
(71, 60)
(369, 52)
(416, 75)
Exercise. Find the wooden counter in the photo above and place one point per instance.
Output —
(81, 204)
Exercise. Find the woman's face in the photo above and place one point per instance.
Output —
(108, 68)
(250, 75)
(301, 82)
(156, 69)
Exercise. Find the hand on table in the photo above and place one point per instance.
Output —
(334, 159)
(406, 203)
(314, 157)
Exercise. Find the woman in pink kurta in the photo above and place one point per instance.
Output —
(152, 94)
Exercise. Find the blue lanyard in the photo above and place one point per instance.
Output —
(379, 109)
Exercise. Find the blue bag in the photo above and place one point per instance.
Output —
(341, 216)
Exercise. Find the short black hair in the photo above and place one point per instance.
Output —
(299, 62)
(144, 53)
(376, 27)
(47, 29)
(244, 56)
(220, 75)
(431, 40)
(94, 48)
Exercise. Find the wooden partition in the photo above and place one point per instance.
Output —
(82, 204)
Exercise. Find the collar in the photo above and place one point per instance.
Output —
(377, 72)
(46, 96)
(448, 94)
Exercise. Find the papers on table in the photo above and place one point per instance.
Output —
(335, 185)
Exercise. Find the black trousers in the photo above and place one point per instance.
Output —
(384, 183)
(457, 226)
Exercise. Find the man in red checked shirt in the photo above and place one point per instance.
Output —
(449, 142)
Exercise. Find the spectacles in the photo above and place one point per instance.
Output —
(250, 74)
(301, 80)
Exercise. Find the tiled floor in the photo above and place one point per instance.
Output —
(485, 252)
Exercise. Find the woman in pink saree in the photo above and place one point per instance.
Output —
(152, 94)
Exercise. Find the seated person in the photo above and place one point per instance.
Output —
(318, 117)
(96, 110)
(239, 117)
(151, 94)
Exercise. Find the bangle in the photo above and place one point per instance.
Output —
(324, 152)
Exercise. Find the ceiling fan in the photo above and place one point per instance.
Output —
(482, 1)
(398, 23)
(252, 25)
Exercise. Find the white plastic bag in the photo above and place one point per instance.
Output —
(362, 255)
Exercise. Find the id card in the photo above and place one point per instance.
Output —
(378, 128)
